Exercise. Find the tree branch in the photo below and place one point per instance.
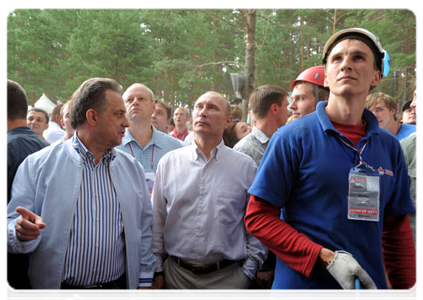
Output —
(221, 63)
(221, 19)
(278, 25)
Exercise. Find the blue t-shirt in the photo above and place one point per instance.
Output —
(405, 130)
(305, 171)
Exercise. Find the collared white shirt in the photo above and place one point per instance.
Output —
(53, 133)
(199, 208)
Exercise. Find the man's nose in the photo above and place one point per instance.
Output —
(125, 122)
(346, 63)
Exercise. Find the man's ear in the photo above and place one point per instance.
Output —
(274, 109)
(228, 121)
(376, 79)
(325, 82)
(92, 117)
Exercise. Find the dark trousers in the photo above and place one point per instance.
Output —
(17, 271)
(116, 292)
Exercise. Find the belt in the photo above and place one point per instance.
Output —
(204, 269)
(118, 283)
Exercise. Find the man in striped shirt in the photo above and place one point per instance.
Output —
(90, 227)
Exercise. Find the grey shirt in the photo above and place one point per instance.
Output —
(253, 145)
(411, 148)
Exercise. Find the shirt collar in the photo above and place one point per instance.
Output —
(372, 122)
(216, 153)
(259, 135)
(155, 139)
(85, 154)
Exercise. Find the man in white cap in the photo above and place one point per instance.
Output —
(345, 200)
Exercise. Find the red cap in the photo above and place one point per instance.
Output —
(314, 75)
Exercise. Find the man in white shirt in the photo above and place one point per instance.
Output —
(200, 197)
(54, 131)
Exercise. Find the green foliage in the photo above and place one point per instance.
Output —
(180, 54)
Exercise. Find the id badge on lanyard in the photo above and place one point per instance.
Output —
(363, 190)
(363, 194)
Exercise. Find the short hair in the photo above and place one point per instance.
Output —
(17, 103)
(379, 97)
(183, 109)
(236, 112)
(69, 104)
(91, 95)
(263, 97)
(167, 107)
(144, 86)
(56, 110)
(416, 83)
(376, 98)
(228, 108)
(40, 110)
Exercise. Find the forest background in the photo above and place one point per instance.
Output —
(180, 54)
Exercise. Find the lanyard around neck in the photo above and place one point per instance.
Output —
(359, 152)
(152, 154)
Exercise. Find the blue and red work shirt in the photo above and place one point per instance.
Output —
(305, 171)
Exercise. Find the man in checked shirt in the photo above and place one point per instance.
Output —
(90, 227)
(199, 198)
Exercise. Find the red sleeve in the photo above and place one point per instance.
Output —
(262, 220)
(398, 252)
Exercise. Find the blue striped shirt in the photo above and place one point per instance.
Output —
(96, 245)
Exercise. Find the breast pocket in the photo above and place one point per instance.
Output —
(230, 207)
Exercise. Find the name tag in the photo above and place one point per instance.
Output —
(363, 194)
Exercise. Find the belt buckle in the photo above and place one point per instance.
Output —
(95, 288)
(203, 269)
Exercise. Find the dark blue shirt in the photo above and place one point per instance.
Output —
(305, 171)
(21, 142)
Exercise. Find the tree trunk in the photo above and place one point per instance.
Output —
(334, 21)
(250, 57)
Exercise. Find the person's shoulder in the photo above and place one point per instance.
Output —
(238, 157)
(411, 139)
(246, 140)
(409, 126)
(170, 140)
(301, 127)
(50, 153)
(179, 152)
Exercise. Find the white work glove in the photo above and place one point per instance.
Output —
(344, 268)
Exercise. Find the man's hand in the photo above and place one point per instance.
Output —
(144, 293)
(158, 282)
(344, 268)
(28, 224)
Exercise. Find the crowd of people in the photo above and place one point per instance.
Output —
(111, 191)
